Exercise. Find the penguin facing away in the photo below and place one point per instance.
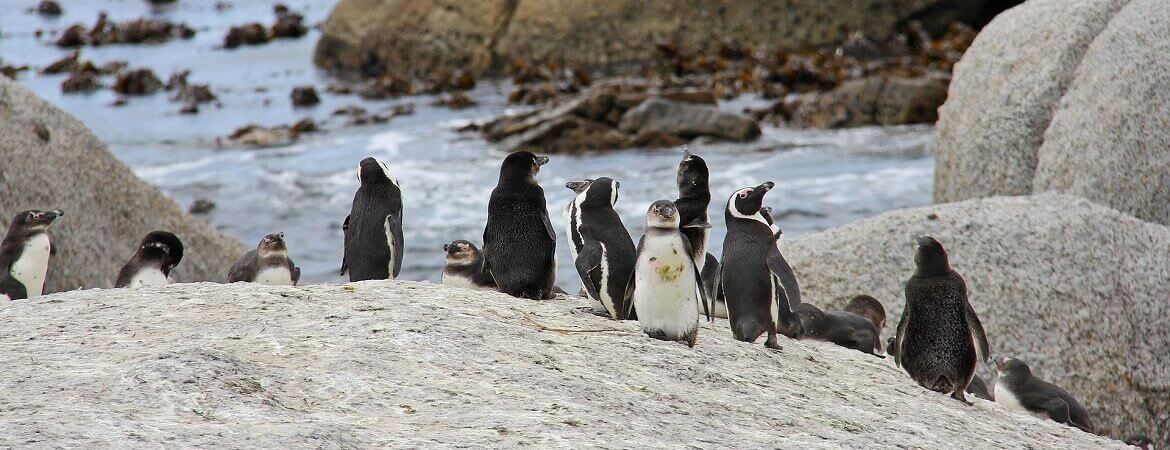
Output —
(466, 267)
(373, 243)
(268, 263)
(24, 254)
(157, 254)
(694, 195)
(605, 260)
(756, 281)
(1016, 388)
(940, 339)
(518, 241)
(666, 287)
(977, 387)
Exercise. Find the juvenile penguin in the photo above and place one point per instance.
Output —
(518, 241)
(869, 308)
(1016, 388)
(605, 259)
(466, 267)
(373, 242)
(940, 339)
(157, 254)
(666, 289)
(759, 286)
(977, 387)
(268, 263)
(24, 254)
(694, 195)
(843, 328)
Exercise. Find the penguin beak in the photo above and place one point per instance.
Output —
(541, 160)
(54, 214)
(577, 186)
(767, 186)
(686, 153)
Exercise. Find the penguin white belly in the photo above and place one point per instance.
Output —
(275, 276)
(30, 268)
(664, 294)
(776, 288)
(569, 227)
(603, 291)
(720, 309)
(1006, 398)
(148, 277)
(461, 282)
(389, 244)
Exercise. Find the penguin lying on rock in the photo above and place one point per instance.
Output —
(157, 254)
(466, 267)
(843, 328)
(268, 263)
(1016, 388)
(24, 254)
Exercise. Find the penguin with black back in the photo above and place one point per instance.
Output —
(1017, 388)
(605, 260)
(157, 254)
(760, 288)
(694, 196)
(940, 340)
(24, 254)
(666, 287)
(843, 328)
(373, 243)
(977, 387)
(518, 241)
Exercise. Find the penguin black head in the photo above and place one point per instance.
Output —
(461, 253)
(1010, 369)
(747, 203)
(1140, 441)
(373, 172)
(930, 257)
(890, 348)
(869, 308)
(33, 221)
(579, 187)
(272, 244)
(598, 192)
(692, 175)
(767, 213)
(163, 247)
(521, 167)
(662, 214)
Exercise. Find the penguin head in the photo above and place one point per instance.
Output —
(161, 246)
(460, 253)
(601, 192)
(748, 202)
(272, 245)
(930, 257)
(692, 172)
(372, 172)
(521, 167)
(662, 214)
(869, 308)
(767, 213)
(579, 187)
(33, 221)
(1010, 368)
(1140, 441)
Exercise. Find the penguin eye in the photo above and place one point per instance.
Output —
(617, 184)
(743, 194)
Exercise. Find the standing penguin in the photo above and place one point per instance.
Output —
(157, 254)
(940, 339)
(605, 259)
(1016, 388)
(466, 267)
(24, 254)
(759, 287)
(694, 196)
(519, 241)
(268, 263)
(666, 288)
(373, 229)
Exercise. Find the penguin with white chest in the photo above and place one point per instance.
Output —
(24, 254)
(759, 286)
(373, 241)
(605, 259)
(666, 289)
(157, 254)
(518, 240)
(1016, 388)
(465, 267)
(268, 263)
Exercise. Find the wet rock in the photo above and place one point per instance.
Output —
(304, 96)
(194, 94)
(222, 6)
(201, 206)
(249, 34)
(10, 71)
(48, 8)
(404, 109)
(74, 36)
(120, 101)
(688, 121)
(566, 134)
(657, 139)
(177, 80)
(878, 100)
(257, 137)
(80, 82)
(137, 82)
(456, 101)
(288, 25)
(136, 31)
(189, 108)
(387, 86)
(306, 125)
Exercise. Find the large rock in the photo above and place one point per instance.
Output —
(420, 36)
(657, 115)
(49, 160)
(1063, 95)
(405, 364)
(876, 100)
(1077, 290)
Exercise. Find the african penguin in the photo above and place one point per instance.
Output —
(373, 244)
(268, 263)
(940, 339)
(843, 328)
(605, 259)
(666, 287)
(24, 254)
(869, 308)
(518, 241)
(759, 287)
(1016, 388)
(465, 267)
(157, 254)
(977, 387)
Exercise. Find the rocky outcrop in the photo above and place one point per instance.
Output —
(406, 364)
(877, 100)
(1064, 96)
(688, 121)
(49, 160)
(1075, 289)
(418, 37)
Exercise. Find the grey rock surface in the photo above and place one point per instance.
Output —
(688, 120)
(1077, 290)
(407, 364)
(49, 160)
(876, 100)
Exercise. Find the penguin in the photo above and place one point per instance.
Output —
(977, 387)
(940, 339)
(268, 263)
(373, 243)
(760, 288)
(666, 287)
(1140, 441)
(24, 254)
(605, 259)
(1016, 388)
(843, 328)
(869, 308)
(465, 267)
(157, 254)
(518, 241)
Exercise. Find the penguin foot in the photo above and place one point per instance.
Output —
(958, 395)
(772, 343)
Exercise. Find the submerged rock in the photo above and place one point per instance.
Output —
(304, 96)
(137, 82)
(81, 82)
(248, 34)
(136, 31)
(48, 8)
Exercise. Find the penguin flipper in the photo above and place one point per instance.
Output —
(900, 336)
(12, 288)
(698, 275)
(394, 221)
(294, 272)
(779, 267)
(547, 225)
(982, 348)
(344, 244)
(588, 259)
(1056, 408)
(244, 269)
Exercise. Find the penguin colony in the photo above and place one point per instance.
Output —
(666, 282)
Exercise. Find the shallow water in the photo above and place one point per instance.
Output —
(823, 178)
